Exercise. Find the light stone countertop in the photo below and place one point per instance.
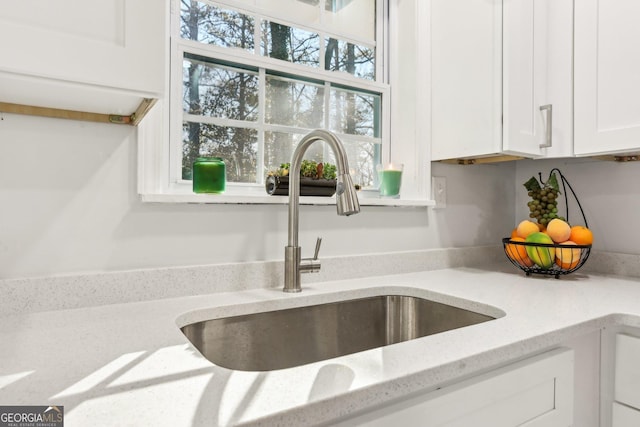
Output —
(129, 365)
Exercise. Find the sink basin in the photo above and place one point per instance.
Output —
(291, 337)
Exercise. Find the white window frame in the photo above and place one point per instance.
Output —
(158, 172)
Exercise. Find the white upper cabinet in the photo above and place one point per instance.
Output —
(524, 76)
(102, 56)
(466, 78)
(494, 64)
(607, 76)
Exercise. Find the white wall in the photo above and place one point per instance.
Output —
(609, 193)
(68, 204)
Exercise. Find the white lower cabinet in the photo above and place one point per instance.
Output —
(627, 370)
(623, 416)
(626, 394)
(536, 392)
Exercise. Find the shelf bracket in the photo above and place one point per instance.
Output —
(58, 113)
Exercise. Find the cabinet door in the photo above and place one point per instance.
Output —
(537, 392)
(524, 78)
(607, 76)
(493, 65)
(537, 73)
(624, 416)
(110, 45)
(627, 370)
(466, 78)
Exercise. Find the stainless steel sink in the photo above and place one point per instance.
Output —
(292, 337)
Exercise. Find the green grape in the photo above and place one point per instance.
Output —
(543, 198)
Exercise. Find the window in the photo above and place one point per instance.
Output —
(249, 78)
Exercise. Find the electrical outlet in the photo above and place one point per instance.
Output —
(439, 191)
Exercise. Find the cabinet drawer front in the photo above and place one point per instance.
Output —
(535, 392)
(627, 376)
(623, 416)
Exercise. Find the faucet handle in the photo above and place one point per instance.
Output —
(317, 251)
(309, 265)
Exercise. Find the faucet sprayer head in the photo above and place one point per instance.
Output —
(346, 196)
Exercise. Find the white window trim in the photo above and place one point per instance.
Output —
(407, 130)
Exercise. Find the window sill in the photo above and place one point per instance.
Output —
(244, 199)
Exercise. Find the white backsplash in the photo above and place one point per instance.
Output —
(70, 206)
(81, 290)
(29, 295)
(608, 192)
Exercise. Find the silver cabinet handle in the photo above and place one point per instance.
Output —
(548, 134)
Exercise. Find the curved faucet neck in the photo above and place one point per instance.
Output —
(342, 168)
(346, 203)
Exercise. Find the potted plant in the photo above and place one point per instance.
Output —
(316, 179)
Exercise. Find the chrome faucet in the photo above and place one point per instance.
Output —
(346, 203)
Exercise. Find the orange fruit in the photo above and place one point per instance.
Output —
(581, 235)
(514, 233)
(568, 258)
(518, 253)
(526, 227)
(558, 230)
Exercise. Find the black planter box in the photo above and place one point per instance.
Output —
(279, 186)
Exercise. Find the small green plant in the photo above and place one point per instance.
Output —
(329, 171)
(309, 169)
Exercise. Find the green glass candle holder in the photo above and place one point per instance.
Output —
(390, 177)
(209, 175)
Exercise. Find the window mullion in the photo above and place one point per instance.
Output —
(327, 113)
(242, 57)
(257, 36)
(262, 100)
(323, 50)
(220, 121)
(321, 34)
(382, 42)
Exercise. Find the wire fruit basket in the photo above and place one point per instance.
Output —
(554, 259)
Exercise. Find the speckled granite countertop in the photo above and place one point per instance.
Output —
(129, 365)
